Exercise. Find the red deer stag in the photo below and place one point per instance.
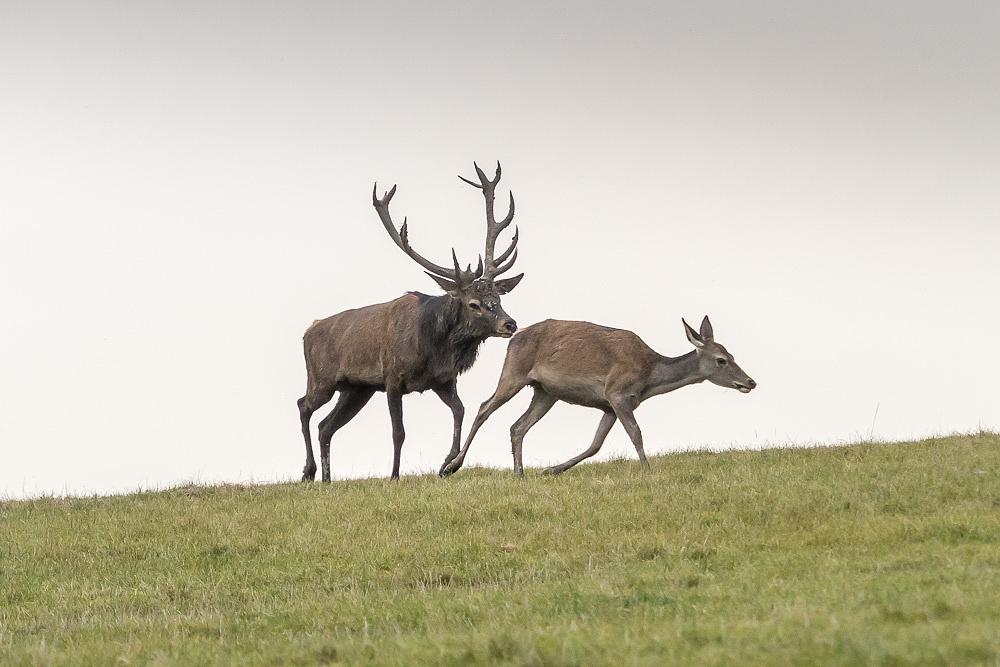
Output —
(612, 370)
(413, 343)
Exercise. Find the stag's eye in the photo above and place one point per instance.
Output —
(721, 361)
(474, 305)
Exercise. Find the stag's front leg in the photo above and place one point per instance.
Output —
(503, 393)
(395, 398)
(449, 395)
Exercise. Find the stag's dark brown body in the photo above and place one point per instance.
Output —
(414, 343)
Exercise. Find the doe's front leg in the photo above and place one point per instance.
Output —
(624, 409)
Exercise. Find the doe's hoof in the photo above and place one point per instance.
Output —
(551, 471)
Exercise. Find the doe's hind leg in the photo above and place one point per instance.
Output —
(504, 392)
(607, 421)
(541, 402)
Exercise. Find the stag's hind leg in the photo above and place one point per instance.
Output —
(541, 402)
(607, 421)
(309, 404)
(349, 403)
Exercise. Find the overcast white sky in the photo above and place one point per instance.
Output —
(184, 187)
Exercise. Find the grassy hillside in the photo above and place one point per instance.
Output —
(847, 555)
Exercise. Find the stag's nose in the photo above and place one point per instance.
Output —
(751, 383)
(510, 326)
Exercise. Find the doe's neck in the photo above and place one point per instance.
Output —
(671, 373)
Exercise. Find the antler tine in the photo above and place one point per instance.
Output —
(510, 213)
(482, 176)
(400, 238)
(483, 183)
(385, 199)
(502, 268)
(475, 185)
(506, 253)
(459, 274)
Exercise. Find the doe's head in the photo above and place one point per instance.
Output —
(715, 363)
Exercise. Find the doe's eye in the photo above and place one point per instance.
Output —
(722, 362)
(474, 305)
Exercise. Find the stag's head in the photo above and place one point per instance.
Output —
(478, 290)
(715, 363)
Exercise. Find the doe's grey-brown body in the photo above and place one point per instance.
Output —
(413, 343)
(612, 370)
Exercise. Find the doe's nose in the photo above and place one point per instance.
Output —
(751, 383)
(510, 326)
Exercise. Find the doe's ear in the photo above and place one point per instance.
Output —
(706, 329)
(445, 284)
(693, 335)
(507, 284)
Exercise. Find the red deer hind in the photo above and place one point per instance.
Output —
(612, 370)
(413, 343)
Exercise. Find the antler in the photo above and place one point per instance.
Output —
(458, 275)
(495, 266)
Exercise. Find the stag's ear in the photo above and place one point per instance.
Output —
(507, 284)
(444, 283)
(706, 329)
(693, 335)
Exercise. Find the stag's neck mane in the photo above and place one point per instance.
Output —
(446, 341)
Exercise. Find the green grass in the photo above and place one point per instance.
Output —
(873, 553)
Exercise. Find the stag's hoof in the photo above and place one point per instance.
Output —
(309, 474)
(446, 471)
(554, 470)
